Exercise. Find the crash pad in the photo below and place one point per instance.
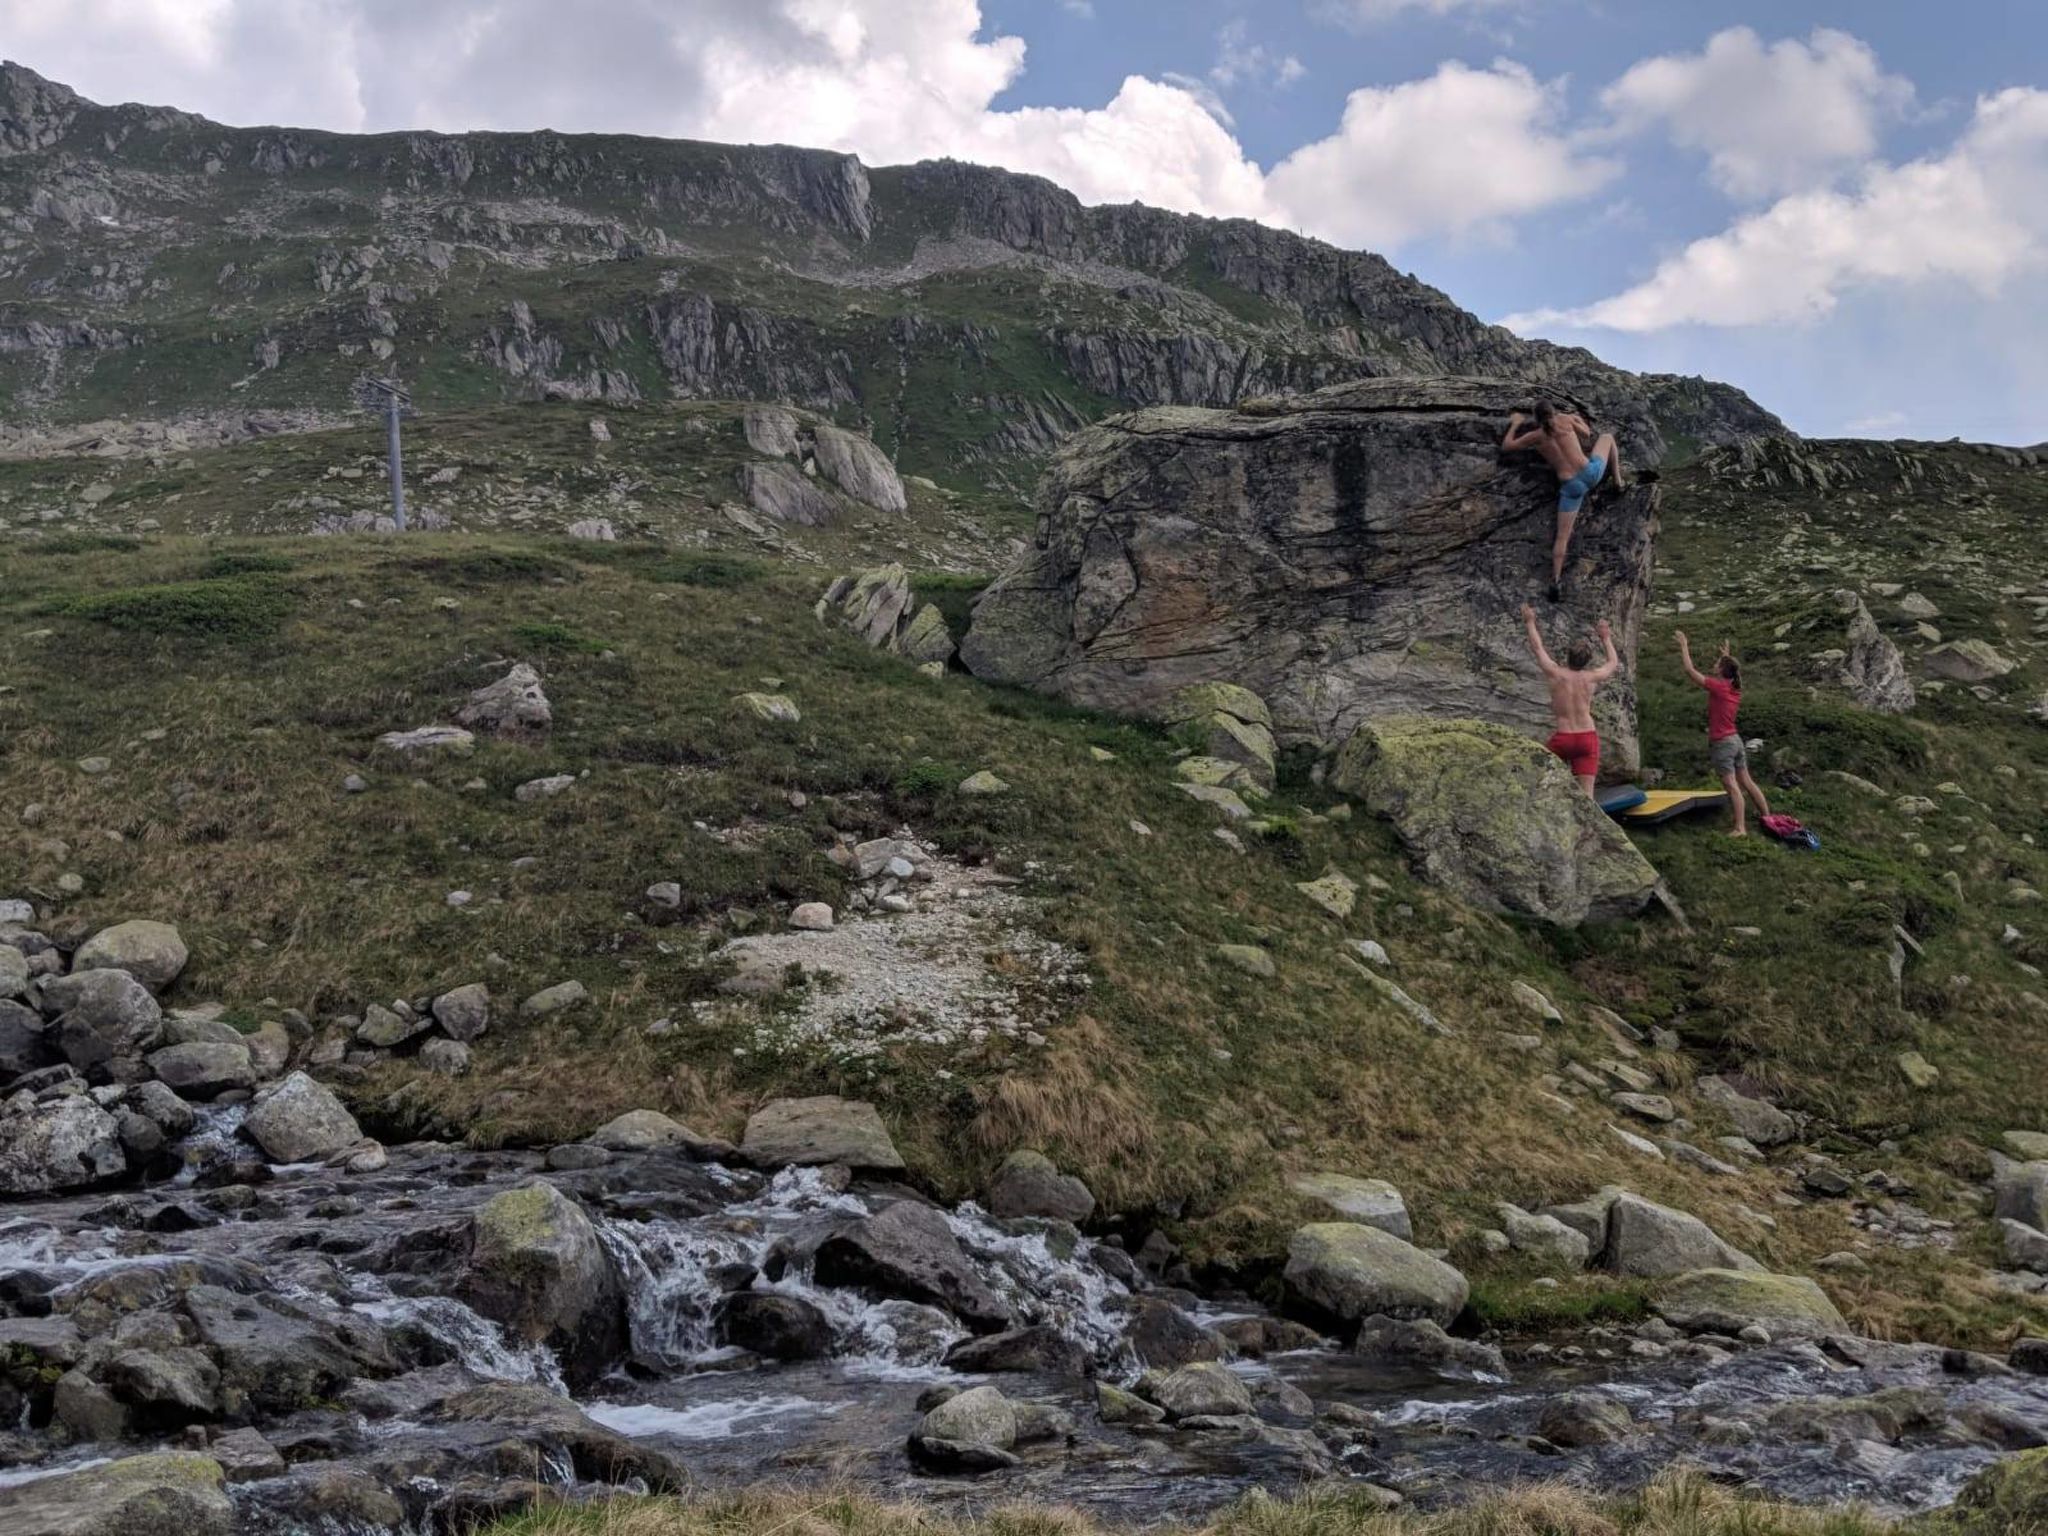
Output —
(1661, 805)
(1617, 798)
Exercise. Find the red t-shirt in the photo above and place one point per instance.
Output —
(1723, 699)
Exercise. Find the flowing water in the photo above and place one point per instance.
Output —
(682, 1235)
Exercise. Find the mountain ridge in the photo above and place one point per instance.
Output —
(971, 316)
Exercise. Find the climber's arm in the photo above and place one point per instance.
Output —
(1536, 647)
(1612, 664)
(1685, 659)
(1520, 433)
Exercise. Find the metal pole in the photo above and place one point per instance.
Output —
(397, 463)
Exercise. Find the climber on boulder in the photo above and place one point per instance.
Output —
(1576, 739)
(1564, 439)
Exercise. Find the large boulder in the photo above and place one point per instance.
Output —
(276, 1355)
(1343, 1272)
(204, 1069)
(771, 430)
(1867, 665)
(538, 1267)
(858, 467)
(102, 1014)
(1203, 1390)
(787, 495)
(135, 1496)
(1495, 819)
(1729, 1300)
(1651, 1240)
(773, 1325)
(66, 1143)
(152, 953)
(812, 1132)
(1764, 1124)
(1374, 1202)
(299, 1121)
(1361, 550)
(908, 1250)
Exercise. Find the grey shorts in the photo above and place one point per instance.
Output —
(1727, 755)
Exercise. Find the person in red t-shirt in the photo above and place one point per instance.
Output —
(1724, 740)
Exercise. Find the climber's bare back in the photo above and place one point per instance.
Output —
(1562, 444)
(1571, 698)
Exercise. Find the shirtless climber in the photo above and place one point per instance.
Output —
(1562, 437)
(1577, 739)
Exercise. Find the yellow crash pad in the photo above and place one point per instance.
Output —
(1660, 805)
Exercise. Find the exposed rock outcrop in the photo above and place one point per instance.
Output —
(1867, 665)
(1363, 550)
(879, 606)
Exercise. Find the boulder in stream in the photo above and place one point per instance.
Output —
(774, 1326)
(300, 1121)
(1730, 1300)
(537, 1266)
(908, 1250)
(1343, 1272)
(816, 1131)
(169, 1491)
(65, 1143)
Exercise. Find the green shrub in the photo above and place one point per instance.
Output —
(226, 606)
(81, 544)
(706, 571)
(244, 562)
(490, 567)
(558, 639)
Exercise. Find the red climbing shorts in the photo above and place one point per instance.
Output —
(1580, 751)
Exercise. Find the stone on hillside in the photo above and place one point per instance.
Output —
(1401, 1000)
(1495, 819)
(1226, 802)
(860, 469)
(1029, 1184)
(1918, 1070)
(811, 917)
(538, 1267)
(1721, 1300)
(926, 638)
(978, 1416)
(1334, 891)
(148, 1495)
(2028, 1146)
(152, 953)
(1968, 661)
(1372, 1202)
(777, 707)
(1653, 1107)
(643, 1130)
(1764, 1124)
(816, 1131)
(2025, 1247)
(1651, 1240)
(1915, 606)
(1534, 1002)
(544, 788)
(512, 706)
(1249, 958)
(1345, 1272)
(983, 783)
(203, 1069)
(101, 1014)
(908, 1250)
(384, 1027)
(428, 738)
(1544, 1238)
(2020, 1193)
(782, 491)
(1230, 723)
(299, 1121)
(1868, 666)
(550, 1002)
(1203, 1390)
(876, 605)
(1355, 552)
(597, 530)
(64, 1143)
(771, 430)
(1588, 1217)
(465, 1012)
(774, 1326)
(450, 1058)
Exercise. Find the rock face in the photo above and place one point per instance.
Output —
(1346, 1272)
(879, 606)
(859, 468)
(784, 493)
(1362, 550)
(1494, 818)
(537, 1265)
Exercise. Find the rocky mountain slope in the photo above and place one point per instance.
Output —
(154, 264)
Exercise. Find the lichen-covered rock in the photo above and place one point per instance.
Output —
(815, 1131)
(100, 1015)
(1968, 661)
(1651, 1240)
(1361, 550)
(1729, 1300)
(1202, 1390)
(860, 469)
(538, 1267)
(2007, 1498)
(777, 708)
(1345, 1272)
(153, 953)
(465, 1012)
(515, 705)
(1495, 819)
(65, 1143)
(1374, 1202)
(879, 606)
(1231, 723)
(1867, 665)
(300, 1121)
(169, 1491)
(642, 1130)
(1764, 1124)
(978, 1416)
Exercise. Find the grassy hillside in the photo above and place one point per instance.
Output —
(233, 684)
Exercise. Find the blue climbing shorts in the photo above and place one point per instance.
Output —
(1575, 490)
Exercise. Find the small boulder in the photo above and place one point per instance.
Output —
(152, 953)
(642, 1130)
(1581, 1419)
(464, 1013)
(1729, 1300)
(1764, 1124)
(816, 1131)
(1651, 1240)
(774, 1326)
(450, 1058)
(550, 1002)
(428, 738)
(300, 1121)
(1040, 1348)
(776, 707)
(1374, 1202)
(1544, 1238)
(514, 706)
(203, 1069)
(978, 1416)
(1968, 661)
(1206, 1389)
(1345, 1272)
(63, 1143)
(1028, 1184)
(811, 917)
(101, 1014)
(537, 1266)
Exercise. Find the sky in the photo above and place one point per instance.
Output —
(1839, 205)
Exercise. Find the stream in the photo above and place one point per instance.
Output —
(368, 1258)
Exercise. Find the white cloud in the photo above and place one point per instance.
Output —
(892, 80)
(1240, 60)
(1771, 119)
(1461, 150)
(1365, 13)
(1976, 216)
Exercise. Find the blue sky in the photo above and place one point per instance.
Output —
(1841, 207)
